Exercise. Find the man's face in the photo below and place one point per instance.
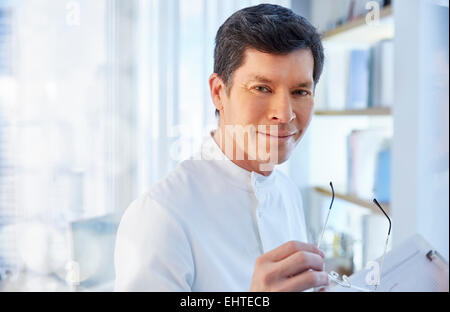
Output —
(271, 92)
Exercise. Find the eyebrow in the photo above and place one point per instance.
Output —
(258, 78)
(262, 79)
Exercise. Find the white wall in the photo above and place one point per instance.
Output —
(420, 202)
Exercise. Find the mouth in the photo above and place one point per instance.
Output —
(280, 137)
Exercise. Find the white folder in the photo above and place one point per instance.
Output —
(414, 266)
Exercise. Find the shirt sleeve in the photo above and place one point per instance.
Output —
(152, 251)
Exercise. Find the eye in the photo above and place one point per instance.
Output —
(301, 92)
(262, 89)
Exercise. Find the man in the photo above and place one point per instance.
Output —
(226, 219)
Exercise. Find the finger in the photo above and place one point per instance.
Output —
(291, 247)
(299, 262)
(304, 281)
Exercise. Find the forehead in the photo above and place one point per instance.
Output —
(296, 66)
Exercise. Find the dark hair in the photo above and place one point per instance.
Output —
(267, 28)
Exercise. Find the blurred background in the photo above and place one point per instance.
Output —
(100, 99)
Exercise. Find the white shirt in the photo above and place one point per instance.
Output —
(203, 226)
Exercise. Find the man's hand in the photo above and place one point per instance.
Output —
(293, 266)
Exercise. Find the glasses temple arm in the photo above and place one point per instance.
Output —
(389, 219)
(332, 195)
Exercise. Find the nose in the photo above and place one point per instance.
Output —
(282, 111)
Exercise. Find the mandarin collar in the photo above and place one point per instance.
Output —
(250, 181)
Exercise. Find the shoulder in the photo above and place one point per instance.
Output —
(148, 225)
(152, 249)
(185, 184)
(140, 216)
(185, 173)
(173, 196)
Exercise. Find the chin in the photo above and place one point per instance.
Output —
(282, 157)
(284, 151)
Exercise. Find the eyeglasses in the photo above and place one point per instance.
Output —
(328, 214)
(345, 281)
(386, 244)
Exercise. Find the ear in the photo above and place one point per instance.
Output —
(217, 89)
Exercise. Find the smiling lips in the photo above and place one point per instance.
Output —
(281, 135)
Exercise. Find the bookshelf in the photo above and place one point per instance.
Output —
(350, 139)
(358, 34)
(415, 205)
(358, 31)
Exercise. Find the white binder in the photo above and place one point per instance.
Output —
(414, 266)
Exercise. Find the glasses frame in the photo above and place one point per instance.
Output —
(345, 281)
(328, 215)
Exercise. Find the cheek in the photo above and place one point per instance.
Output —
(304, 114)
(247, 109)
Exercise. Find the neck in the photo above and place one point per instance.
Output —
(249, 165)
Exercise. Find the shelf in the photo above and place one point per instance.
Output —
(354, 200)
(357, 31)
(379, 111)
